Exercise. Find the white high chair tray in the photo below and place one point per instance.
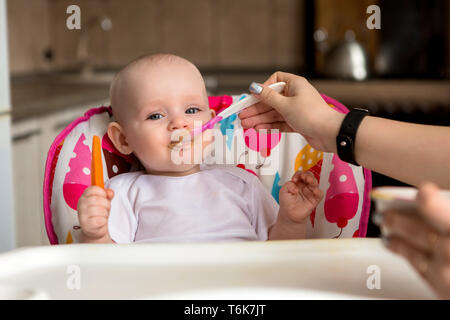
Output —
(311, 269)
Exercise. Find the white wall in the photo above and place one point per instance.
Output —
(7, 238)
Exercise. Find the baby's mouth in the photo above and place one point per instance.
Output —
(174, 144)
(181, 141)
(178, 144)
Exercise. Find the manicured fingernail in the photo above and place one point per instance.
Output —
(377, 219)
(255, 88)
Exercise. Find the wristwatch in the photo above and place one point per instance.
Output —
(345, 141)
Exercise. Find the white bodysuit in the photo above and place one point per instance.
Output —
(218, 203)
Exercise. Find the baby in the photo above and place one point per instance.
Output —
(152, 98)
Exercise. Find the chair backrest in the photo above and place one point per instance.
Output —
(273, 157)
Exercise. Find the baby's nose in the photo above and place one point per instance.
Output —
(178, 123)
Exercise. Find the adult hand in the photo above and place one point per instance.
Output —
(423, 238)
(299, 108)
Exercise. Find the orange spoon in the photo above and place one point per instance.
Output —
(96, 164)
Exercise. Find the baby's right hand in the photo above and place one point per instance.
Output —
(93, 212)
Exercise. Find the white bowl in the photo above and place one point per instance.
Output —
(398, 198)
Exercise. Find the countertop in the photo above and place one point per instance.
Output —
(377, 94)
(35, 96)
(39, 95)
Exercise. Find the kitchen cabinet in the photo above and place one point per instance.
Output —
(27, 175)
(31, 140)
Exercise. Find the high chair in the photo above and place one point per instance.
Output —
(343, 212)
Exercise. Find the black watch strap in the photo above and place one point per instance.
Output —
(345, 140)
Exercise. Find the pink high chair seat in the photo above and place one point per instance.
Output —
(343, 212)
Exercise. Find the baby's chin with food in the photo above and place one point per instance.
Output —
(189, 151)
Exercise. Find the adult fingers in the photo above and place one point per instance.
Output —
(274, 78)
(442, 249)
(411, 228)
(280, 126)
(433, 207)
(280, 76)
(264, 106)
(269, 96)
(294, 83)
(254, 110)
(436, 272)
(418, 259)
(262, 118)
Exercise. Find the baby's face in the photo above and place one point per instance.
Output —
(164, 100)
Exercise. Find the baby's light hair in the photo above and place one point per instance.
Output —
(144, 60)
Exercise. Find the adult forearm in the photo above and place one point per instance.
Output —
(407, 152)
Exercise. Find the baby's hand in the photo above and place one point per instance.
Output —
(299, 197)
(93, 211)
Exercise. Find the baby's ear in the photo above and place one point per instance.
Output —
(117, 136)
(213, 113)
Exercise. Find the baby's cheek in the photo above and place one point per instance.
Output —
(147, 150)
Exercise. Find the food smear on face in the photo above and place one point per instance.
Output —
(174, 143)
(183, 140)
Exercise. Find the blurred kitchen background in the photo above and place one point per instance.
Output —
(401, 71)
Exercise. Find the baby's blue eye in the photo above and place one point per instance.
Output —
(192, 110)
(154, 116)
